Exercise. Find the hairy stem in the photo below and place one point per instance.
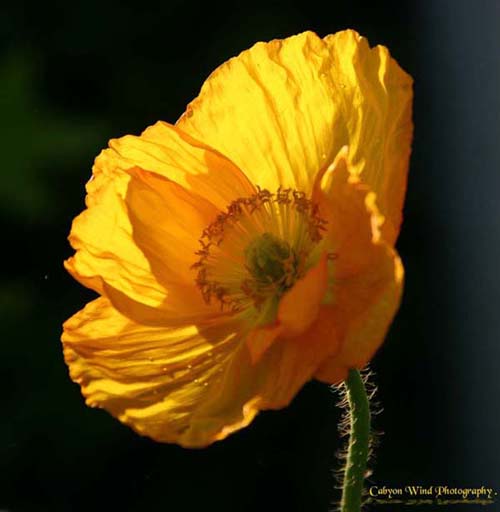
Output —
(359, 439)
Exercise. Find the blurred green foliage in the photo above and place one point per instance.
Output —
(38, 141)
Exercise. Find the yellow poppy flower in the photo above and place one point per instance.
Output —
(248, 248)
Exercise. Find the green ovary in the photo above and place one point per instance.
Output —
(270, 259)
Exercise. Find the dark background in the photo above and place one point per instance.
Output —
(73, 75)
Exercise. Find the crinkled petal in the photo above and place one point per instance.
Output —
(185, 384)
(106, 253)
(270, 110)
(167, 221)
(367, 274)
(164, 149)
(151, 378)
(270, 382)
(375, 107)
(136, 241)
(282, 110)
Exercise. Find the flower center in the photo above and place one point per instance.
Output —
(268, 259)
(256, 250)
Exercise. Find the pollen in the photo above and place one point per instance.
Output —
(257, 249)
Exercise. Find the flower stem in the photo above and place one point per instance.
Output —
(359, 439)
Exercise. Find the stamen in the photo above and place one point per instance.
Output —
(257, 248)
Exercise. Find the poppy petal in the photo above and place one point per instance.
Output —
(184, 384)
(367, 273)
(376, 110)
(297, 310)
(299, 307)
(282, 110)
(249, 385)
(166, 150)
(167, 221)
(151, 378)
(119, 251)
(270, 110)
